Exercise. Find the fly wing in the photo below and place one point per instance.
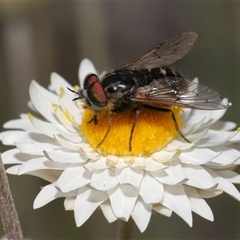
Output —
(180, 92)
(165, 53)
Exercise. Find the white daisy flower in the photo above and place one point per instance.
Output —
(162, 173)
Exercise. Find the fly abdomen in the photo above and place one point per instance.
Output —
(160, 73)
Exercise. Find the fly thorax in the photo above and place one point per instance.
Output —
(119, 85)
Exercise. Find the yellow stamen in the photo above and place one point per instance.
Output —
(153, 130)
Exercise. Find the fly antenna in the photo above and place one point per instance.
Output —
(71, 90)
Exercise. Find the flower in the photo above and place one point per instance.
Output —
(53, 144)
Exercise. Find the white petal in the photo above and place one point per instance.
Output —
(69, 203)
(227, 157)
(151, 190)
(129, 175)
(72, 109)
(104, 179)
(37, 145)
(23, 124)
(209, 193)
(13, 170)
(65, 156)
(50, 175)
(96, 164)
(65, 119)
(40, 163)
(86, 203)
(198, 205)
(159, 208)
(139, 162)
(215, 138)
(112, 160)
(86, 67)
(177, 145)
(42, 101)
(191, 127)
(108, 212)
(164, 156)
(217, 114)
(14, 156)
(71, 136)
(229, 175)
(118, 162)
(73, 178)
(152, 165)
(198, 156)
(225, 185)
(197, 135)
(58, 82)
(31, 106)
(198, 177)
(46, 195)
(89, 151)
(197, 116)
(129, 160)
(123, 198)
(46, 128)
(11, 137)
(141, 214)
(223, 126)
(67, 144)
(172, 175)
(176, 200)
(236, 137)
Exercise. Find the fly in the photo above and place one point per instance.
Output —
(148, 82)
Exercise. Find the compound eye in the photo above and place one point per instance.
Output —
(96, 95)
(94, 92)
(90, 79)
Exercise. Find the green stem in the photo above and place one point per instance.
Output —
(9, 216)
(125, 230)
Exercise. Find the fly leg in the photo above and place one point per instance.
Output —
(109, 127)
(167, 110)
(133, 127)
(175, 123)
(94, 119)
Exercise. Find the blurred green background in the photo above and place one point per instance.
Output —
(37, 38)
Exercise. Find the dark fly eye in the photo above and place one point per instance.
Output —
(96, 95)
(90, 79)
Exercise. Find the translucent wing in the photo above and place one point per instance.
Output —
(180, 92)
(165, 53)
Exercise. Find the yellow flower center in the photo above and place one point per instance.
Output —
(153, 130)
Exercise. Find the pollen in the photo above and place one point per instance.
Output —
(153, 130)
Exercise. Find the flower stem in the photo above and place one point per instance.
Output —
(125, 230)
(9, 216)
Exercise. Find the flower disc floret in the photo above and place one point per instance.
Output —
(154, 129)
